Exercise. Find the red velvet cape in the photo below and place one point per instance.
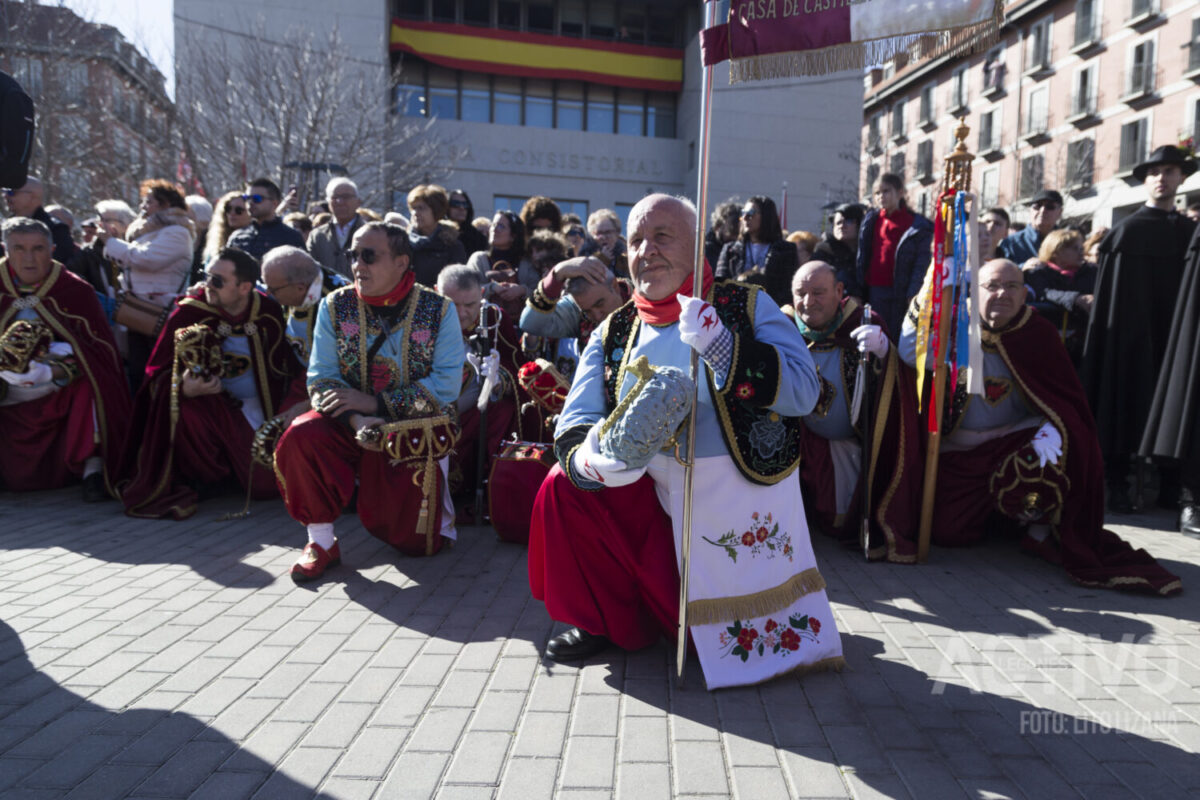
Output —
(68, 305)
(149, 485)
(1091, 554)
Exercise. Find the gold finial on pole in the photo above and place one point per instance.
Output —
(957, 174)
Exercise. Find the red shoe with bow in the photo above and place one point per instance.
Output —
(314, 561)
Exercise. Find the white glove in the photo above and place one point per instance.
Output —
(1047, 443)
(61, 349)
(592, 465)
(487, 366)
(871, 340)
(38, 373)
(699, 326)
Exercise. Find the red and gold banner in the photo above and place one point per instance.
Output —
(534, 55)
(787, 38)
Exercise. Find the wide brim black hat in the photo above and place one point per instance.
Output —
(1166, 155)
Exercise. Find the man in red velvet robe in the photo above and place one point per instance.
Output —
(1028, 449)
(198, 428)
(66, 415)
(498, 372)
(831, 463)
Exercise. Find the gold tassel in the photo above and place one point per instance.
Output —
(769, 601)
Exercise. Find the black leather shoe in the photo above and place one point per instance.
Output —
(93, 489)
(1189, 520)
(575, 645)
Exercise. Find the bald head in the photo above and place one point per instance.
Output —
(817, 294)
(1002, 292)
(662, 242)
(288, 272)
(28, 199)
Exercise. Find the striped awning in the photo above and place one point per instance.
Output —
(533, 55)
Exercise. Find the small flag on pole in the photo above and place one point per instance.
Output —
(790, 38)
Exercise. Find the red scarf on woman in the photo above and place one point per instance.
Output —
(666, 311)
(395, 296)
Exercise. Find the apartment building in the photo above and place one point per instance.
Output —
(1072, 95)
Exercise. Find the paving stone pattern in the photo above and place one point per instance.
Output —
(177, 660)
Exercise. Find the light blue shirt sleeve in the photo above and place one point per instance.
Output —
(449, 354)
(907, 346)
(585, 404)
(323, 360)
(799, 387)
(560, 323)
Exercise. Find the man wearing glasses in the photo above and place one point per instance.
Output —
(386, 350)
(194, 422)
(266, 230)
(1027, 448)
(1045, 211)
(298, 283)
(328, 243)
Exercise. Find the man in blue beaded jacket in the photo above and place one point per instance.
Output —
(385, 351)
(604, 543)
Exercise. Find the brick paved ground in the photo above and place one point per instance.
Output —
(156, 659)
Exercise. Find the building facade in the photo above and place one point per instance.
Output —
(596, 104)
(103, 115)
(1071, 97)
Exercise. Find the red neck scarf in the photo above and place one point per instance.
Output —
(1070, 273)
(666, 311)
(395, 296)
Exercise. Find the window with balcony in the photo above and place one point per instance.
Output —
(539, 16)
(28, 73)
(898, 130)
(989, 132)
(927, 112)
(1142, 9)
(571, 17)
(1087, 22)
(1037, 47)
(477, 12)
(1031, 175)
(1080, 157)
(874, 135)
(872, 176)
(1037, 117)
(1139, 78)
(958, 92)
(1083, 93)
(896, 166)
(993, 72)
(925, 160)
(1194, 47)
(989, 188)
(1134, 136)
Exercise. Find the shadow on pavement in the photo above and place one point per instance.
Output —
(53, 740)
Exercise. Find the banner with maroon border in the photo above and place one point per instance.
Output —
(788, 38)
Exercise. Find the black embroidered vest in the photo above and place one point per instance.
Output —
(764, 445)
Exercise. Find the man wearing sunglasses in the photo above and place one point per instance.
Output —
(266, 230)
(386, 350)
(328, 243)
(194, 426)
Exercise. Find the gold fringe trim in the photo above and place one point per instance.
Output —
(859, 55)
(748, 606)
(831, 664)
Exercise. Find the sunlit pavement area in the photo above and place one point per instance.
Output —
(173, 660)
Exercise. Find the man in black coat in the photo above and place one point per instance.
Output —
(1173, 431)
(16, 132)
(1141, 265)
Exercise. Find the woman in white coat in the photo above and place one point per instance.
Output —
(155, 258)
